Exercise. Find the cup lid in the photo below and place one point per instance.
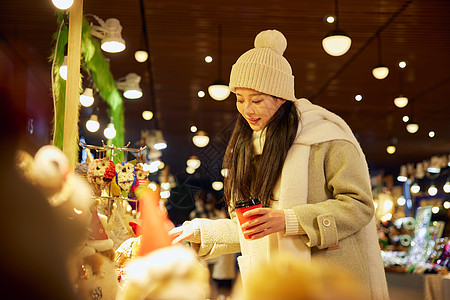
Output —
(247, 202)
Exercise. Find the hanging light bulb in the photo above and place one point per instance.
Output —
(141, 55)
(380, 71)
(147, 115)
(201, 139)
(130, 85)
(415, 188)
(401, 200)
(110, 33)
(92, 124)
(447, 186)
(63, 69)
(403, 176)
(87, 98)
(401, 101)
(217, 185)
(336, 42)
(63, 4)
(432, 190)
(190, 170)
(110, 131)
(193, 162)
(391, 149)
(219, 90)
(412, 126)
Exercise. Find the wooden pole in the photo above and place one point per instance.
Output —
(70, 139)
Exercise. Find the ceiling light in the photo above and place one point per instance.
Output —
(446, 203)
(110, 131)
(403, 176)
(110, 32)
(92, 124)
(431, 134)
(147, 115)
(380, 71)
(447, 186)
(391, 149)
(193, 162)
(402, 64)
(358, 97)
(217, 185)
(336, 42)
(208, 59)
(201, 94)
(190, 170)
(130, 85)
(412, 127)
(201, 139)
(435, 165)
(401, 200)
(193, 128)
(141, 56)
(435, 209)
(401, 101)
(87, 98)
(219, 90)
(415, 188)
(62, 4)
(432, 190)
(330, 19)
(63, 69)
(405, 119)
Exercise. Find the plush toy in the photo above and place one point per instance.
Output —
(142, 181)
(97, 278)
(100, 172)
(125, 176)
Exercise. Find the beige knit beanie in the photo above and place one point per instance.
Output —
(264, 68)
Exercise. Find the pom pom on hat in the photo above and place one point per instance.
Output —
(272, 39)
(264, 68)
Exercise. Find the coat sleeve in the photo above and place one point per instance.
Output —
(217, 237)
(347, 206)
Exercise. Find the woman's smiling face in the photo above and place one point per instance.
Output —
(256, 108)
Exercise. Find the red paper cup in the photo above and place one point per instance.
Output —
(241, 207)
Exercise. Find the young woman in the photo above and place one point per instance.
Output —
(307, 168)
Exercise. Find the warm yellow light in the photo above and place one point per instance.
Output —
(415, 188)
(217, 185)
(391, 149)
(401, 201)
(201, 139)
(62, 4)
(219, 91)
(147, 115)
(193, 128)
(431, 134)
(380, 72)
(190, 170)
(435, 210)
(165, 185)
(336, 43)
(193, 162)
(164, 194)
(447, 186)
(358, 97)
(141, 56)
(388, 205)
(405, 119)
(412, 127)
(330, 19)
(432, 190)
(446, 205)
(401, 101)
(224, 172)
(152, 186)
(402, 64)
(208, 59)
(201, 94)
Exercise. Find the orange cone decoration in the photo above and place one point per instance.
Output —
(154, 234)
(97, 231)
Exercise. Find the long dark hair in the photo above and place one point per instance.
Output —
(245, 177)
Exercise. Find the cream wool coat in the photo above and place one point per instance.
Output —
(325, 182)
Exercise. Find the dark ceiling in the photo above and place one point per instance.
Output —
(181, 33)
